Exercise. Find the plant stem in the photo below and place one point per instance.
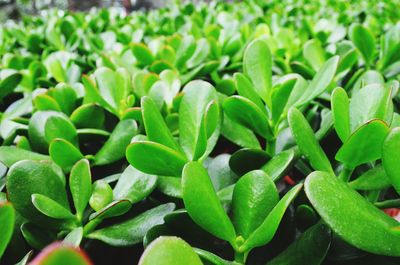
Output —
(271, 145)
(388, 204)
(240, 257)
(345, 174)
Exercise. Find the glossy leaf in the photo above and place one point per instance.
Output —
(351, 216)
(341, 113)
(254, 196)
(202, 202)
(364, 41)
(132, 231)
(114, 148)
(50, 207)
(101, 195)
(155, 159)
(64, 154)
(80, 184)
(374, 179)
(390, 157)
(364, 145)
(257, 65)
(169, 251)
(7, 219)
(59, 254)
(307, 142)
(10, 155)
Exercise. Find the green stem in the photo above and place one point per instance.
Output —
(345, 174)
(388, 204)
(240, 257)
(271, 146)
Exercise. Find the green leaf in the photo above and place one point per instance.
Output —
(320, 82)
(132, 231)
(246, 89)
(364, 145)
(44, 126)
(7, 219)
(30, 177)
(80, 184)
(238, 134)
(370, 102)
(142, 54)
(202, 202)
(314, 54)
(374, 179)
(8, 84)
(307, 142)
(309, 248)
(101, 196)
(156, 128)
(280, 96)
(254, 196)
(9, 155)
(266, 231)
(61, 254)
(351, 216)
(193, 133)
(257, 65)
(114, 148)
(50, 207)
(155, 159)
(279, 164)
(112, 209)
(341, 113)
(169, 251)
(245, 160)
(64, 154)
(134, 185)
(246, 113)
(364, 41)
(88, 116)
(391, 158)
(74, 238)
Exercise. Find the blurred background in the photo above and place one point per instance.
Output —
(13, 9)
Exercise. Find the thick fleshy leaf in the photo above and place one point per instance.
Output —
(101, 195)
(257, 64)
(370, 102)
(9, 155)
(44, 126)
(307, 142)
(61, 254)
(309, 248)
(134, 185)
(156, 128)
(246, 89)
(50, 207)
(391, 158)
(156, 159)
(320, 82)
(239, 134)
(245, 160)
(364, 145)
(142, 54)
(8, 84)
(266, 231)
(114, 148)
(373, 179)
(7, 219)
(113, 209)
(74, 238)
(341, 113)
(64, 154)
(202, 202)
(314, 54)
(364, 41)
(29, 177)
(193, 133)
(80, 184)
(254, 196)
(132, 231)
(279, 164)
(88, 116)
(351, 216)
(245, 112)
(169, 251)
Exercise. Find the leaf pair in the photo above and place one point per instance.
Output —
(257, 212)
(199, 123)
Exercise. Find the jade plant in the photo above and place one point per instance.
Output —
(228, 133)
